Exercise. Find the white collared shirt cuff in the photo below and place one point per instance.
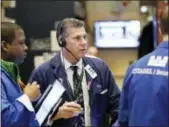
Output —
(24, 99)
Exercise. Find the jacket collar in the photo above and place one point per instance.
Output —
(11, 69)
(56, 62)
(163, 44)
(60, 74)
(57, 66)
(67, 64)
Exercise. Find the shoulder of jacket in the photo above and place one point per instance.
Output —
(94, 58)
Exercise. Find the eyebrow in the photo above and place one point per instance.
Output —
(80, 35)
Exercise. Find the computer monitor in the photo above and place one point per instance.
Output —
(117, 34)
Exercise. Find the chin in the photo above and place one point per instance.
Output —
(82, 56)
(18, 62)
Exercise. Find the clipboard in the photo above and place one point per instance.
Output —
(50, 103)
(39, 103)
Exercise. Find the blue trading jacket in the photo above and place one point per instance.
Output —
(13, 113)
(144, 98)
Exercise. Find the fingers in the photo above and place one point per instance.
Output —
(68, 110)
(71, 107)
(28, 84)
(69, 115)
(35, 84)
(72, 104)
(32, 90)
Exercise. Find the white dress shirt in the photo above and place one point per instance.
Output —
(69, 73)
(24, 99)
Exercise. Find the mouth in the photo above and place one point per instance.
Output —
(83, 50)
(25, 54)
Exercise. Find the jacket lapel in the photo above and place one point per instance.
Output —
(60, 74)
(93, 90)
(90, 82)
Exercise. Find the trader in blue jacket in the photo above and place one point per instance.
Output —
(97, 95)
(16, 107)
(144, 98)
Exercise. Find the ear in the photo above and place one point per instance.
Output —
(4, 46)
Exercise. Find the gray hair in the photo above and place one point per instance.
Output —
(68, 22)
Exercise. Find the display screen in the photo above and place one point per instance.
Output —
(116, 34)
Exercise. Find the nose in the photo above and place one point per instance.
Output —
(83, 41)
(25, 47)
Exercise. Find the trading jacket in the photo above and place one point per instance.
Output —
(13, 71)
(101, 103)
(13, 112)
(144, 98)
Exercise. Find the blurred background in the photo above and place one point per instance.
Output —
(122, 31)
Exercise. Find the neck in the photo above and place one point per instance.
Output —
(6, 57)
(165, 38)
(69, 57)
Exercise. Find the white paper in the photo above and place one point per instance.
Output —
(50, 101)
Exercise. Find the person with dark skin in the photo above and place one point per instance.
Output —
(16, 106)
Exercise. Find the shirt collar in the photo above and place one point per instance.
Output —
(67, 64)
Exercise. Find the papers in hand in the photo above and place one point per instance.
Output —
(50, 101)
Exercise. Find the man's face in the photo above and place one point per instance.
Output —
(76, 41)
(17, 50)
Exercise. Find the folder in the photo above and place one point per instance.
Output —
(49, 102)
(39, 103)
(55, 108)
(52, 112)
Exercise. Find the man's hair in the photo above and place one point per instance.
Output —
(68, 22)
(8, 31)
(164, 20)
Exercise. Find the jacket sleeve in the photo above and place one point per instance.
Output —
(123, 108)
(13, 113)
(114, 95)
